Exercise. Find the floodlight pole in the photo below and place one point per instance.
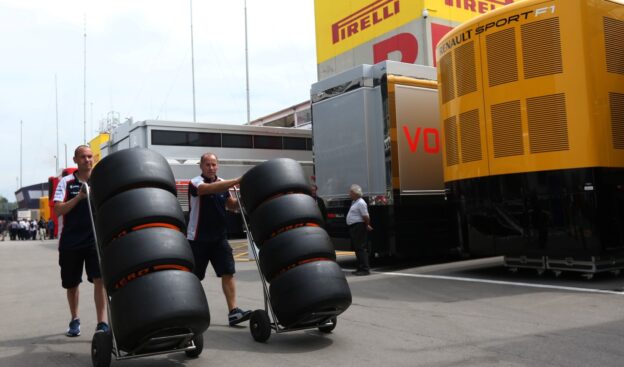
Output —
(193, 64)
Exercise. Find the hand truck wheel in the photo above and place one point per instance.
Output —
(260, 326)
(198, 340)
(328, 328)
(101, 349)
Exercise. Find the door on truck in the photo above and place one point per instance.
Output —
(348, 136)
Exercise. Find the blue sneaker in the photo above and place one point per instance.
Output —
(102, 327)
(74, 328)
(237, 316)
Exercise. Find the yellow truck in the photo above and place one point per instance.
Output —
(532, 111)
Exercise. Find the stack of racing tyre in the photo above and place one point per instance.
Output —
(145, 258)
(296, 255)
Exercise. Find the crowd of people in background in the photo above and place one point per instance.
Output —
(24, 229)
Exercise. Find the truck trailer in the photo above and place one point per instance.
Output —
(239, 148)
(378, 126)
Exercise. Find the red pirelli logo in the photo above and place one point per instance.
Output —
(368, 16)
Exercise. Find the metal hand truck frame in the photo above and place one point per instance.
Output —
(260, 324)
(104, 344)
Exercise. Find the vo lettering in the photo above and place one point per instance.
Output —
(430, 137)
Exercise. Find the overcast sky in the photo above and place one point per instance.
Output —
(139, 65)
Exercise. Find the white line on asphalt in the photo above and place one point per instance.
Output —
(500, 282)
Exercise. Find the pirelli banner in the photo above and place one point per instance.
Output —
(354, 32)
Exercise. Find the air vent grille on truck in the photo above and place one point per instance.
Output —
(502, 59)
(613, 31)
(548, 126)
(465, 69)
(541, 48)
(616, 104)
(507, 129)
(452, 154)
(470, 136)
(448, 83)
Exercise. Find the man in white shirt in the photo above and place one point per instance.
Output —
(358, 221)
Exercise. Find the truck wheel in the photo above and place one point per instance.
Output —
(282, 213)
(276, 176)
(101, 349)
(293, 246)
(299, 293)
(198, 340)
(137, 207)
(159, 304)
(127, 169)
(141, 252)
(260, 326)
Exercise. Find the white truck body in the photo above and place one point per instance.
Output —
(238, 147)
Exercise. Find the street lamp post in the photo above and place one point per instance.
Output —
(247, 65)
(193, 63)
(84, 90)
(21, 134)
(56, 156)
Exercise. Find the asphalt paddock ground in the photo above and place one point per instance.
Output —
(468, 313)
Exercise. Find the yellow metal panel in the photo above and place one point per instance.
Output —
(604, 83)
(95, 144)
(394, 79)
(458, 106)
(44, 208)
(561, 91)
(581, 151)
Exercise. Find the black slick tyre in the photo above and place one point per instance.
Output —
(276, 176)
(164, 303)
(141, 252)
(291, 247)
(127, 169)
(284, 213)
(134, 208)
(314, 287)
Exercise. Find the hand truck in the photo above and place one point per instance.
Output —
(260, 324)
(103, 344)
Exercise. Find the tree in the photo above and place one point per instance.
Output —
(6, 207)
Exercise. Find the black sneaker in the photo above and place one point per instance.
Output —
(236, 316)
(361, 272)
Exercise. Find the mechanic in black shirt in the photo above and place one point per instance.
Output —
(207, 233)
(77, 242)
